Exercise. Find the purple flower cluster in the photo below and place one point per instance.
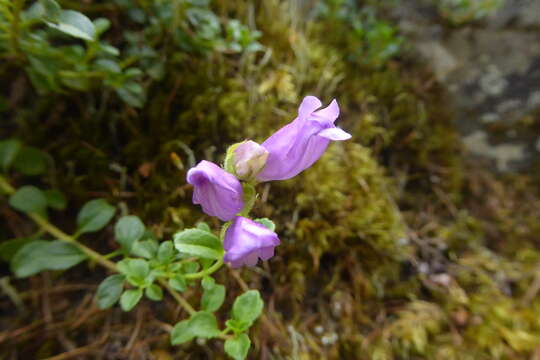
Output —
(285, 154)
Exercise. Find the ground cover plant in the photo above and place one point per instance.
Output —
(117, 123)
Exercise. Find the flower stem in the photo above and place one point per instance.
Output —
(212, 269)
(93, 255)
(250, 195)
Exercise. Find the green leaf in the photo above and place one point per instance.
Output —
(199, 243)
(181, 333)
(237, 326)
(128, 230)
(30, 161)
(213, 298)
(101, 25)
(166, 252)
(40, 255)
(132, 93)
(190, 267)
(29, 199)
(154, 292)
(52, 9)
(55, 199)
(204, 325)
(109, 291)
(206, 263)
(109, 66)
(238, 347)
(130, 298)
(94, 215)
(9, 248)
(247, 307)
(201, 324)
(138, 268)
(74, 24)
(145, 248)
(178, 283)
(8, 152)
(203, 226)
(267, 223)
(208, 283)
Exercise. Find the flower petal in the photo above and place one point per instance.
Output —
(334, 133)
(329, 113)
(308, 105)
(217, 191)
(298, 145)
(246, 241)
(267, 253)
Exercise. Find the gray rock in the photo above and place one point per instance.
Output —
(491, 71)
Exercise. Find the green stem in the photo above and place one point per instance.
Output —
(250, 195)
(212, 269)
(113, 254)
(95, 256)
(60, 235)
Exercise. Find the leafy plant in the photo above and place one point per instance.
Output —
(376, 40)
(146, 268)
(85, 60)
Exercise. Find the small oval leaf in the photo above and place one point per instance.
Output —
(109, 291)
(130, 298)
(29, 199)
(41, 255)
(74, 24)
(128, 230)
(94, 215)
(213, 298)
(238, 347)
(199, 243)
(248, 307)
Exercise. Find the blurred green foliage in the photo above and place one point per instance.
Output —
(56, 60)
(459, 12)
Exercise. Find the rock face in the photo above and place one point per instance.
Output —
(491, 70)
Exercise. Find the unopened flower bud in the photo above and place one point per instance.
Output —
(249, 159)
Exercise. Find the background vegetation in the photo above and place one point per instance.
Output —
(394, 245)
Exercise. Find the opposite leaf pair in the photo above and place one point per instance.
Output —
(285, 154)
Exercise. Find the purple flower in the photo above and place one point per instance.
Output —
(296, 146)
(246, 241)
(217, 191)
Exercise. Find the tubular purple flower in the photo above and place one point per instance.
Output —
(296, 146)
(246, 241)
(217, 191)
